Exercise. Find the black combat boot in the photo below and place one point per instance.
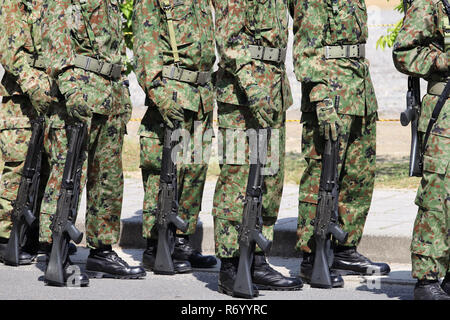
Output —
(429, 290)
(149, 258)
(266, 278)
(183, 251)
(306, 269)
(105, 263)
(25, 257)
(227, 277)
(348, 261)
(73, 276)
(445, 285)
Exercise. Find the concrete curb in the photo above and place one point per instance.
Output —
(378, 248)
(387, 233)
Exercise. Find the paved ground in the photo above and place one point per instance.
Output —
(26, 282)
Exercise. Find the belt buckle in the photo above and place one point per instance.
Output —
(197, 77)
(88, 63)
(172, 72)
(100, 68)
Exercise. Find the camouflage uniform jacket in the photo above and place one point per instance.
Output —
(91, 28)
(194, 34)
(239, 24)
(317, 24)
(20, 29)
(419, 51)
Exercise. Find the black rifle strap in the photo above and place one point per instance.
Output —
(442, 98)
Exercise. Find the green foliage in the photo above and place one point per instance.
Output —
(388, 40)
(127, 10)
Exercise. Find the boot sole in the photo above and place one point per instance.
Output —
(167, 273)
(100, 275)
(345, 272)
(275, 288)
(308, 281)
(231, 293)
(21, 262)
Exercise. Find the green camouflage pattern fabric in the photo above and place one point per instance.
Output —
(356, 168)
(246, 88)
(25, 90)
(229, 195)
(316, 26)
(191, 172)
(65, 35)
(15, 133)
(419, 51)
(346, 83)
(102, 175)
(20, 23)
(194, 33)
(240, 79)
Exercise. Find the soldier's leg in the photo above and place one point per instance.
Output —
(430, 246)
(104, 190)
(15, 133)
(228, 204)
(104, 180)
(151, 143)
(14, 137)
(356, 189)
(274, 180)
(55, 145)
(191, 183)
(312, 149)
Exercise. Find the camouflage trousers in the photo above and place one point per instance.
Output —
(430, 246)
(357, 151)
(196, 135)
(102, 173)
(228, 204)
(15, 133)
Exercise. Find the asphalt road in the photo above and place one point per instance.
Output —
(26, 283)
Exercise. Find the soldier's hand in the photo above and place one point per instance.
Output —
(79, 111)
(329, 121)
(169, 108)
(39, 95)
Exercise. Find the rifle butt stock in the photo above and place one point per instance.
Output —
(320, 277)
(243, 284)
(163, 260)
(11, 255)
(54, 273)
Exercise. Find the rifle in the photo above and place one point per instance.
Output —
(167, 219)
(63, 222)
(25, 207)
(250, 231)
(326, 221)
(411, 115)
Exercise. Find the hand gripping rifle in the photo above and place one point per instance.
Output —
(250, 231)
(411, 115)
(167, 219)
(63, 222)
(26, 205)
(326, 221)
